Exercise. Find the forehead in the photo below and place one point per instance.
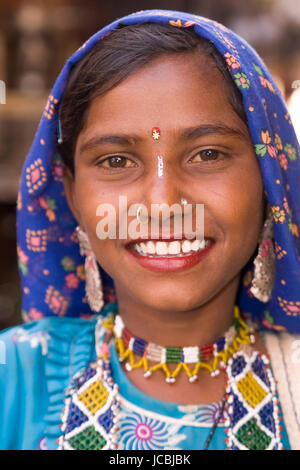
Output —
(172, 91)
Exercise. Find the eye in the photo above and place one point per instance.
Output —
(208, 155)
(116, 161)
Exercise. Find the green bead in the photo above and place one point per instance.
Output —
(236, 325)
(173, 354)
(252, 437)
(88, 439)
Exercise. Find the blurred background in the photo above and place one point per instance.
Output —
(36, 38)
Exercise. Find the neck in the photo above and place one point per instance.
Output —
(198, 326)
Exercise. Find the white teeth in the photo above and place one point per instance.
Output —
(143, 247)
(180, 248)
(174, 248)
(197, 244)
(150, 246)
(161, 248)
(186, 246)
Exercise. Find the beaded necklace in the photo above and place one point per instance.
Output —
(219, 352)
(91, 417)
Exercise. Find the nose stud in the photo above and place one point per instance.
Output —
(141, 220)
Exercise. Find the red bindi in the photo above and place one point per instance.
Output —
(155, 133)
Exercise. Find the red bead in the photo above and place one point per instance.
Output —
(126, 336)
(155, 133)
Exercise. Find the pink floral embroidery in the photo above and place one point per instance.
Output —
(290, 307)
(22, 256)
(36, 240)
(35, 176)
(57, 303)
(232, 61)
(72, 280)
(34, 314)
(262, 149)
(283, 161)
(50, 107)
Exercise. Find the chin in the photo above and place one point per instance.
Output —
(174, 301)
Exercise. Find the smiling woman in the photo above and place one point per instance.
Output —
(158, 108)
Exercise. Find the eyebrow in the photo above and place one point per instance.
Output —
(208, 129)
(188, 133)
(107, 139)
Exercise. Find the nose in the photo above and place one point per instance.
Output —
(163, 188)
(163, 196)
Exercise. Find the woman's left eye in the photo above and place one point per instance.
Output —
(208, 155)
(115, 161)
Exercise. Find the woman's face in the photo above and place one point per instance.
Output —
(176, 93)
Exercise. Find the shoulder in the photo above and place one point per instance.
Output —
(34, 338)
(284, 352)
(38, 359)
(30, 343)
(282, 343)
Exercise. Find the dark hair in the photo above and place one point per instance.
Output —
(118, 55)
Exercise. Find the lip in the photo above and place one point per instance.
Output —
(174, 264)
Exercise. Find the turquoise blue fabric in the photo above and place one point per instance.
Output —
(41, 359)
(51, 267)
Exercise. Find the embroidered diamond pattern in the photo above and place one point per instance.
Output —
(106, 420)
(253, 399)
(75, 418)
(252, 437)
(251, 390)
(238, 410)
(266, 416)
(94, 397)
(89, 439)
(238, 365)
(260, 371)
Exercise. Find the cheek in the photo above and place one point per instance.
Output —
(93, 197)
(233, 203)
(91, 192)
(240, 207)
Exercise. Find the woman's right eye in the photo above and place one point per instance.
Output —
(116, 161)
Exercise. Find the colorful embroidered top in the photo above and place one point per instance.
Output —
(42, 357)
(51, 266)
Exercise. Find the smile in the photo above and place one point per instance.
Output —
(170, 256)
(179, 248)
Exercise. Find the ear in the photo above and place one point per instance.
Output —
(69, 185)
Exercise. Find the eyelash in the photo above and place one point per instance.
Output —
(209, 161)
(112, 168)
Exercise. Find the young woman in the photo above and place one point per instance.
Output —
(165, 346)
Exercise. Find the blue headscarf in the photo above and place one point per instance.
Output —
(50, 265)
